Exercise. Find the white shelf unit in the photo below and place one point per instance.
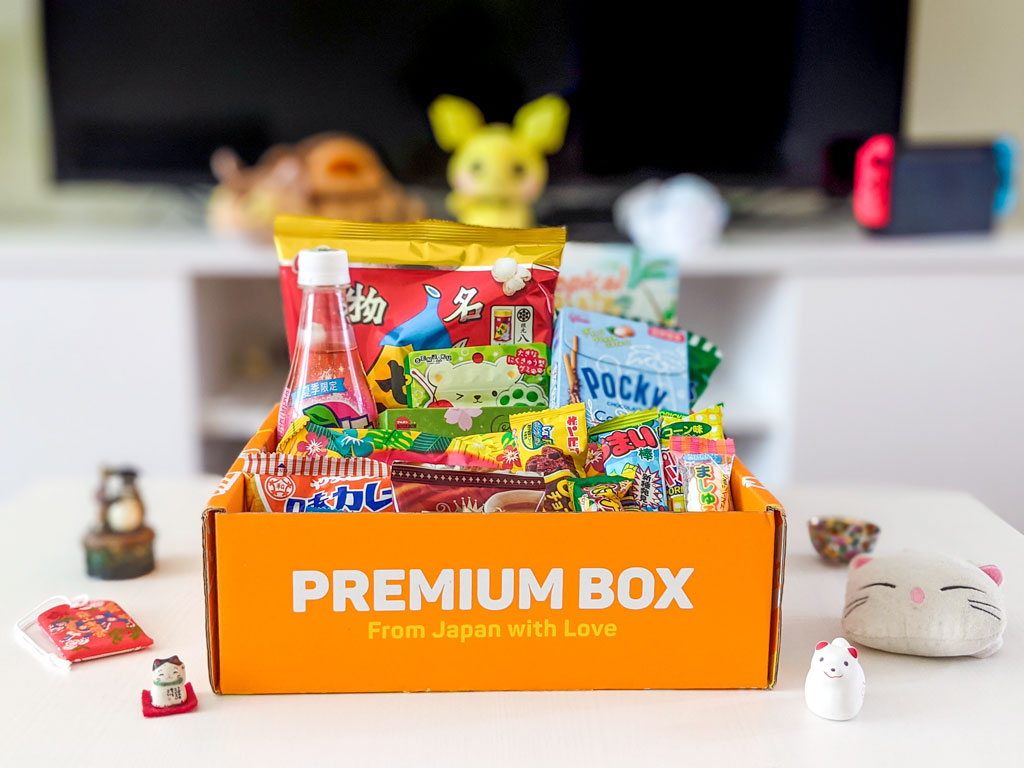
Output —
(845, 356)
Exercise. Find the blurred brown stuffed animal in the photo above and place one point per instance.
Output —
(329, 174)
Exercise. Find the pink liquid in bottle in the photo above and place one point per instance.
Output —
(326, 382)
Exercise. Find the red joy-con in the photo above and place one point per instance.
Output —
(872, 181)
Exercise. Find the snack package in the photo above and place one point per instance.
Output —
(703, 423)
(429, 285)
(497, 375)
(421, 488)
(552, 440)
(617, 366)
(697, 472)
(703, 357)
(618, 279)
(558, 490)
(451, 422)
(601, 493)
(631, 448)
(278, 482)
(91, 629)
(495, 450)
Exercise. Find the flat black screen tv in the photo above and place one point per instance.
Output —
(744, 93)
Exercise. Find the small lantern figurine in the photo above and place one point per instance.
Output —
(121, 546)
(169, 693)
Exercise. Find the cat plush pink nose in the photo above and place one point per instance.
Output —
(917, 595)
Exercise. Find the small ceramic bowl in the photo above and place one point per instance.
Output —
(840, 539)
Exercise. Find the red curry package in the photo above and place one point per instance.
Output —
(429, 285)
(277, 482)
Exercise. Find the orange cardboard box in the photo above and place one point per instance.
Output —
(321, 602)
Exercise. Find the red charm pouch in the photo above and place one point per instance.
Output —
(89, 630)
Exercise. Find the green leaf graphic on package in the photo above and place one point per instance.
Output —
(497, 375)
(322, 416)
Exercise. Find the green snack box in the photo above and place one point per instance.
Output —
(450, 422)
(499, 375)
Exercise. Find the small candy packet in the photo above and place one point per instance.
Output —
(697, 473)
(552, 440)
(421, 488)
(631, 448)
(276, 482)
(80, 629)
(502, 375)
(601, 493)
(706, 422)
(494, 450)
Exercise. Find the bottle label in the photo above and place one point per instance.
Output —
(327, 403)
(317, 388)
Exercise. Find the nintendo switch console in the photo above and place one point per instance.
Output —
(904, 190)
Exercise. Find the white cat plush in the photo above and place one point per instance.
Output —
(835, 684)
(924, 604)
(168, 689)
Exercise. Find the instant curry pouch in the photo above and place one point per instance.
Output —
(495, 450)
(279, 482)
(429, 285)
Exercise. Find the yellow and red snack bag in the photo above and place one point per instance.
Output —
(429, 285)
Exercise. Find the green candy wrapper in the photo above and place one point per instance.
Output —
(703, 357)
(498, 375)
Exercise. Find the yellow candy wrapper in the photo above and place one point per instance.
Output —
(493, 450)
(552, 440)
(703, 423)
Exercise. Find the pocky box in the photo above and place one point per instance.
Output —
(429, 285)
(617, 366)
(494, 375)
(453, 421)
(631, 448)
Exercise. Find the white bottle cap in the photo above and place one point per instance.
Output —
(323, 266)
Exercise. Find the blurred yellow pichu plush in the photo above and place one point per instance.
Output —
(497, 171)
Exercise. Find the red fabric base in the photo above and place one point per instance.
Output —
(190, 703)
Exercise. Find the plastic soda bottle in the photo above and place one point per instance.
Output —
(326, 382)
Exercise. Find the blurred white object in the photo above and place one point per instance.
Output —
(678, 216)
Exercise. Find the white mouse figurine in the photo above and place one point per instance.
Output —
(835, 683)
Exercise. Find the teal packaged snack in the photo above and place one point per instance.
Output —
(618, 366)
(631, 447)
(502, 375)
(450, 422)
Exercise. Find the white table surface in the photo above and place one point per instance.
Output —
(918, 711)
